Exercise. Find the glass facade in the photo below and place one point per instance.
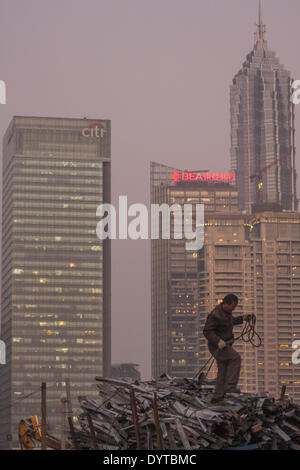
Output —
(55, 271)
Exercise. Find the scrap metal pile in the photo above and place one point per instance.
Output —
(177, 414)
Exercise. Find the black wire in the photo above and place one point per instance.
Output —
(203, 367)
(248, 333)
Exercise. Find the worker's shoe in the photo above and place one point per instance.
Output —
(233, 390)
(216, 400)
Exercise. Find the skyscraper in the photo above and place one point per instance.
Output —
(55, 317)
(262, 130)
(179, 304)
(255, 256)
(275, 238)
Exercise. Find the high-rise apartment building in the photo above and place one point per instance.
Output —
(275, 238)
(255, 257)
(176, 272)
(55, 312)
(263, 131)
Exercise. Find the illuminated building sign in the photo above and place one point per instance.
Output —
(193, 176)
(96, 129)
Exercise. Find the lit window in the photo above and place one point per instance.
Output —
(18, 271)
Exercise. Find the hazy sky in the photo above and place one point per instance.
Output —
(161, 71)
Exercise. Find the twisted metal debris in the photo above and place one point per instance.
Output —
(176, 414)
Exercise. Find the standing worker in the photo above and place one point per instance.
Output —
(218, 331)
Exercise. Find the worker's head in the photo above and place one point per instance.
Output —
(229, 302)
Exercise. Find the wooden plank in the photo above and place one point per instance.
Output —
(72, 431)
(44, 417)
(157, 425)
(149, 438)
(171, 437)
(182, 435)
(135, 418)
(92, 431)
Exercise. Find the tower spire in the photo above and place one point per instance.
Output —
(260, 27)
(259, 14)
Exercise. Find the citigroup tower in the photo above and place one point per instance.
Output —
(55, 317)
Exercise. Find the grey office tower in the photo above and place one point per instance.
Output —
(55, 317)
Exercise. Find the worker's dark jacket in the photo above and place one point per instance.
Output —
(219, 325)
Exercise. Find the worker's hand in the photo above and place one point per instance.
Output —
(248, 317)
(221, 344)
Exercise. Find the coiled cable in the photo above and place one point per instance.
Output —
(248, 333)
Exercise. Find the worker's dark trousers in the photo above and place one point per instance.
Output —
(229, 366)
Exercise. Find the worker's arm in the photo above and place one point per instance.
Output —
(209, 330)
(238, 320)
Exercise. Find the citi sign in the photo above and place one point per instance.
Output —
(96, 129)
